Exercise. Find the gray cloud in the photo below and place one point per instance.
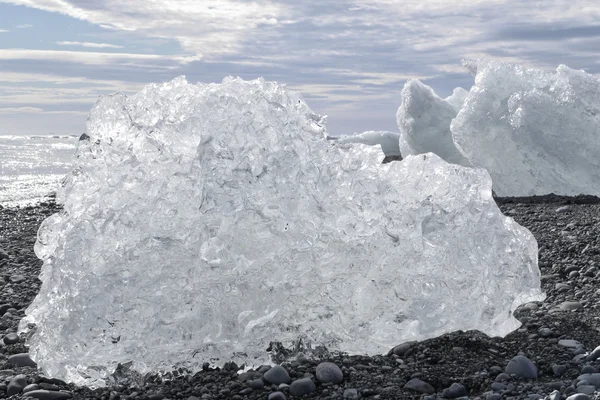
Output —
(349, 58)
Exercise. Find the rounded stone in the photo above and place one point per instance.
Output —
(21, 360)
(302, 387)
(257, 384)
(329, 372)
(276, 375)
(16, 385)
(521, 367)
(419, 386)
(30, 388)
(11, 338)
(277, 396)
(49, 395)
(454, 391)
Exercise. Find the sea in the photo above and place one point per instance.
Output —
(32, 167)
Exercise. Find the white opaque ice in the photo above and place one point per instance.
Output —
(535, 131)
(424, 122)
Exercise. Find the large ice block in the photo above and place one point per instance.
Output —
(535, 131)
(424, 122)
(201, 222)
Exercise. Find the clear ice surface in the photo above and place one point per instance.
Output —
(389, 142)
(535, 131)
(202, 222)
(424, 122)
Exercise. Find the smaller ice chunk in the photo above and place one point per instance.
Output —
(535, 131)
(457, 98)
(389, 141)
(424, 122)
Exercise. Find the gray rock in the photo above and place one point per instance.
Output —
(16, 385)
(329, 372)
(30, 388)
(301, 387)
(21, 360)
(579, 396)
(570, 344)
(563, 209)
(18, 278)
(570, 305)
(276, 375)
(276, 396)
(49, 395)
(522, 367)
(588, 369)
(559, 369)
(497, 386)
(502, 377)
(4, 308)
(586, 389)
(594, 355)
(592, 379)
(419, 386)
(351, 394)
(493, 396)
(454, 391)
(11, 338)
(257, 384)
(401, 349)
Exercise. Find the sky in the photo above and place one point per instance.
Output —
(349, 59)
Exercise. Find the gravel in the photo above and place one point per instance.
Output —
(559, 339)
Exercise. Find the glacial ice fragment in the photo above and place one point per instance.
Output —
(202, 222)
(424, 122)
(535, 131)
(387, 141)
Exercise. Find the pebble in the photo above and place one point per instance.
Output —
(559, 369)
(30, 387)
(329, 372)
(570, 344)
(277, 396)
(16, 385)
(257, 384)
(592, 379)
(17, 278)
(594, 355)
(11, 338)
(578, 396)
(522, 367)
(563, 209)
(351, 394)
(588, 369)
(49, 395)
(276, 375)
(419, 386)
(570, 305)
(454, 391)
(302, 387)
(402, 349)
(21, 360)
(586, 389)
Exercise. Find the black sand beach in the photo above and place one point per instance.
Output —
(557, 335)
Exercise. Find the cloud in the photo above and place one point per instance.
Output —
(349, 58)
(93, 58)
(13, 110)
(90, 44)
(24, 26)
(3, 31)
